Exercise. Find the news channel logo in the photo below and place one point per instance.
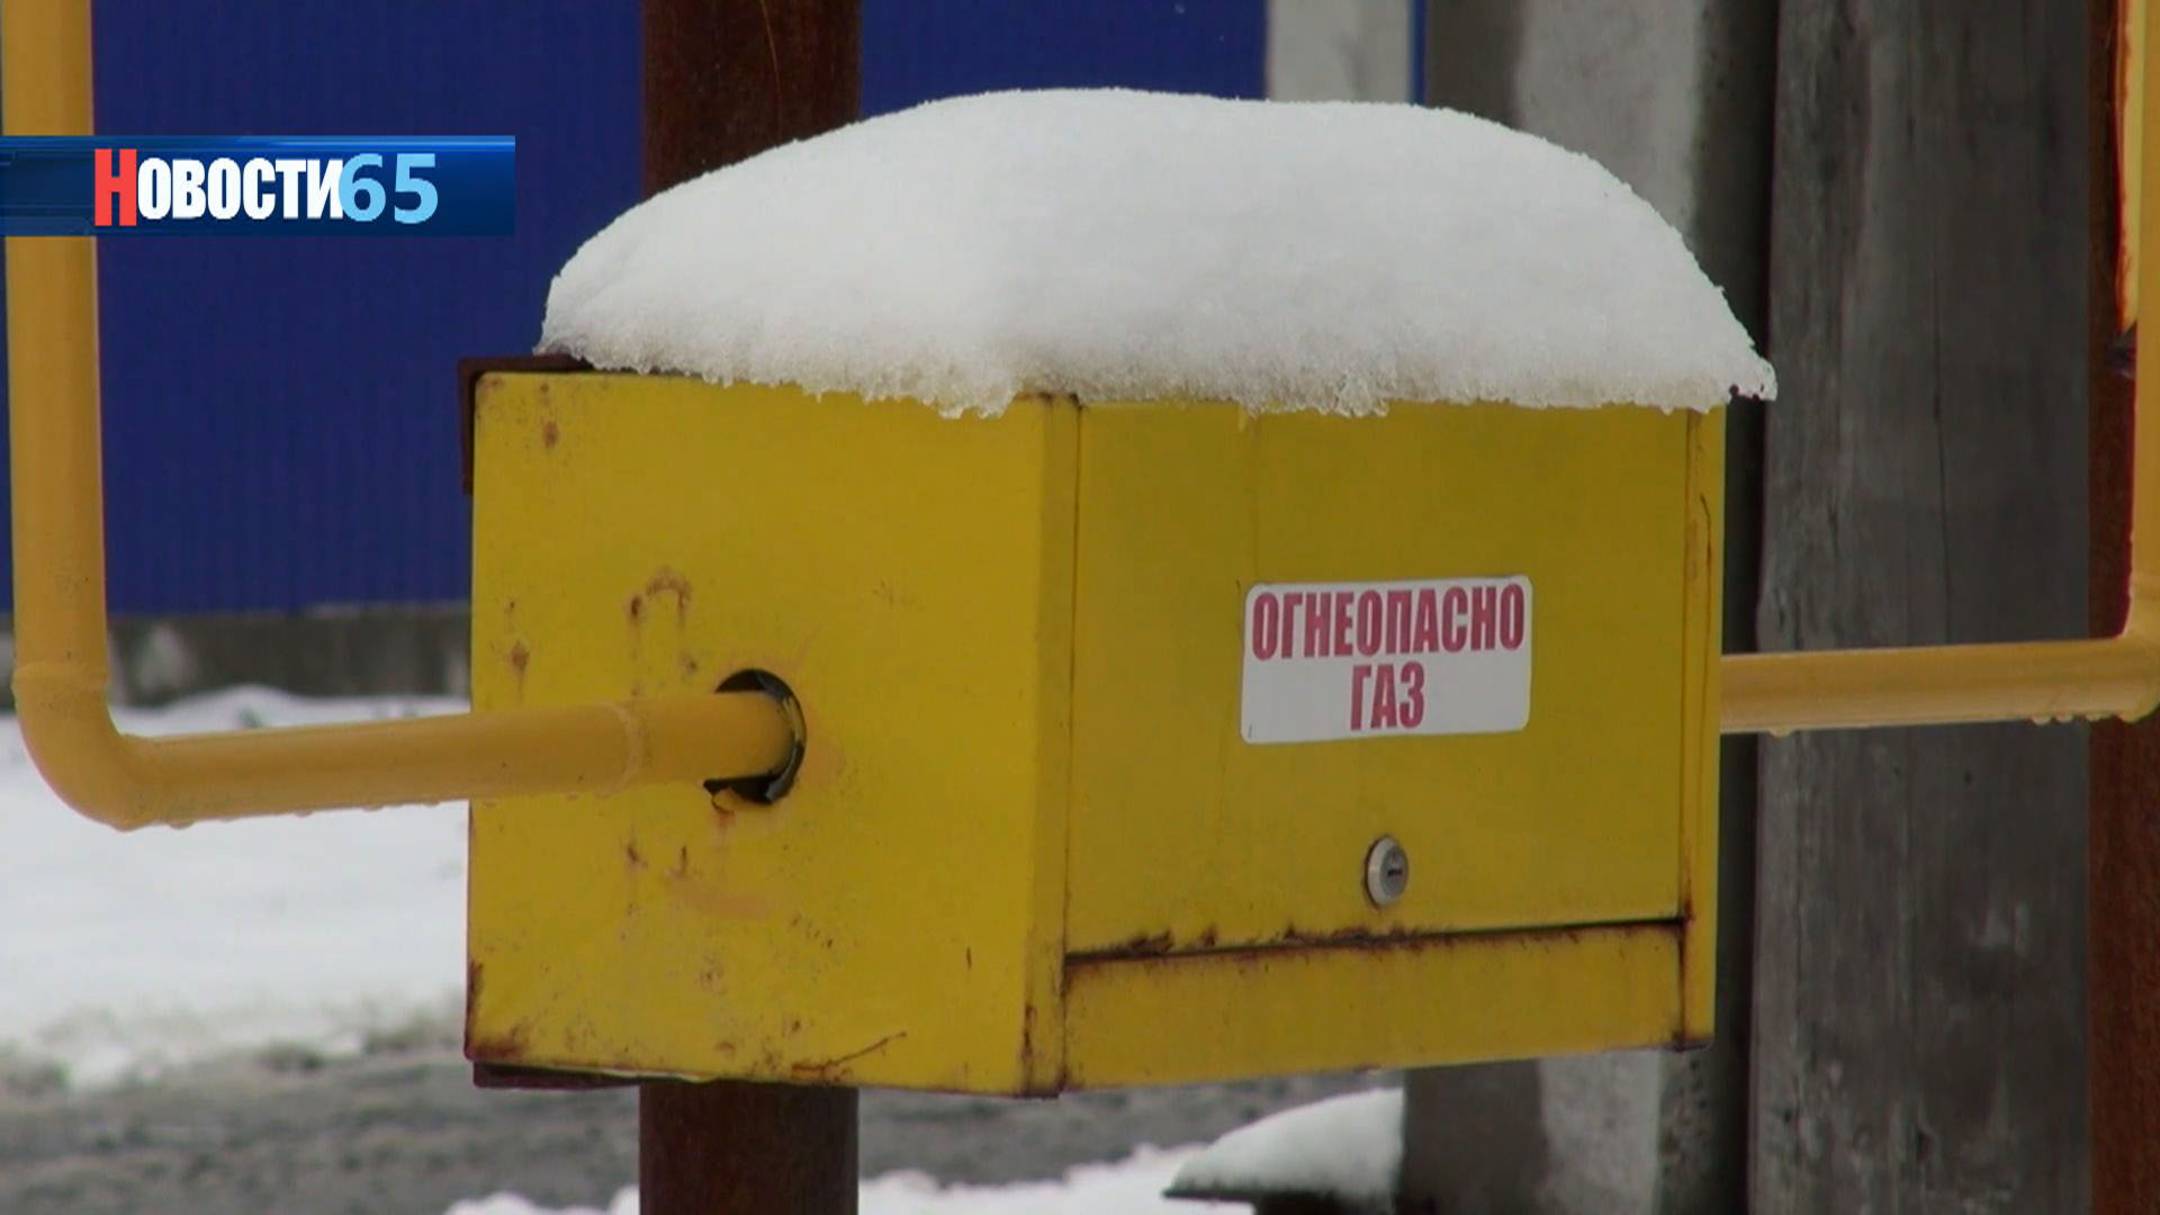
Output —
(257, 185)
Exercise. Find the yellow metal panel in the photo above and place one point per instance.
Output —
(1256, 1012)
(990, 621)
(1185, 837)
(895, 918)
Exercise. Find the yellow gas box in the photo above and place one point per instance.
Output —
(1146, 742)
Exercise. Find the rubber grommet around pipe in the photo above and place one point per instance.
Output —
(770, 787)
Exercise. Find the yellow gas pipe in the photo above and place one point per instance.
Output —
(61, 674)
(2031, 680)
(60, 622)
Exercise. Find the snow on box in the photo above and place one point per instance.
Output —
(1131, 246)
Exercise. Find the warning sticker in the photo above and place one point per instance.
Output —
(1330, 660)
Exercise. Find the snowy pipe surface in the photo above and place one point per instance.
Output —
(1129, 246)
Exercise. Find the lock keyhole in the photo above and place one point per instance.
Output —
(1387, 871)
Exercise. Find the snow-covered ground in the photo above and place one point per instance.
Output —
(124, 955)
(1348, 1147)
(1132, 1186)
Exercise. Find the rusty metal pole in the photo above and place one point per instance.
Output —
(729, 1146)
(725, 80)
(2123, 903)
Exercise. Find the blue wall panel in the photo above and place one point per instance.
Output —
(914, 51)
(280, 416)
(281, 426)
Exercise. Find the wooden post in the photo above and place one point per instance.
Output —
(725, 80)
(1920, 1027)
(2123, 906)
